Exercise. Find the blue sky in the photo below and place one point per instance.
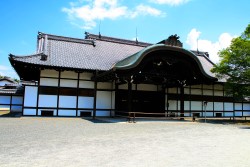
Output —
(212, 22)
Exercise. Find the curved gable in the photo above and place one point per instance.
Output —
(166, 62)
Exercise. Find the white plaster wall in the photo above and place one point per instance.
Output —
(238, 106)
(30, 96)
(68, 83)
(209, 106)
(54, 111)
(172, 90)
(47, 101)
(85, 102)
(196, 91)
(246, 106)
(218, 87)
(238, 113)
(218, 93)
(17, 100)
(172, 105)
(247, 113)
(102, 113)
(218, 106)
(186, 105)
(228, 114)
(209, 114)
(208, 92)
(86, 76)
(123, 86)
(195, 86)
(186, 90)
(4, 99)
(86, 84)
(207, 86)
(49, 73)
(69, 74)
(16, 108)
(228, 106)
(103, 100)
(147, 87)
(104, 85)
(66, 112)
(196, 105)
(48, 82)
(67, 101)
(27, 111)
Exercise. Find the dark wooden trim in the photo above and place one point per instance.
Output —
(24, 89)
(68, 78)
(182, 101)
(129, 96)
(202, 96)
(95, 96)
(10, 102)
(77, 97)
(58, 93)
(213, 99)
(37, 98)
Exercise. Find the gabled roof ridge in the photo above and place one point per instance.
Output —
(63, 38)
(25, 56)
(203, 54)
(115, 40)
(198, 52)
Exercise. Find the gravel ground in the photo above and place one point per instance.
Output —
(34, 141)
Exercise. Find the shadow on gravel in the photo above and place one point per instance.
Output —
(11, 115)
(225, 121)
(96, 120)
(245, 127)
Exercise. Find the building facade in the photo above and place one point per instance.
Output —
(105, 76)
(11, 95)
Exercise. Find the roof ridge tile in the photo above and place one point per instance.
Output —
(115, 40)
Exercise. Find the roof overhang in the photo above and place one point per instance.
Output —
(163, 61)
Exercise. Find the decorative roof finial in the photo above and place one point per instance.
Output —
(100, 36)
(136, 39)
(173, 40)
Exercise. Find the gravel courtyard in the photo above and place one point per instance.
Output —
(34, 141)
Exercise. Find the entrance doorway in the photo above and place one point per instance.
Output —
(142, 101)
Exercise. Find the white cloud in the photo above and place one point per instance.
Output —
(146, 10)
(212, 48)
(4, 68)
(7, 71)
(170, 2)
(89, 12)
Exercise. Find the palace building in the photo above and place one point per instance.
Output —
(105, 76)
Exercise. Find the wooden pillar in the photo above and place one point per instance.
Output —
(58, 92)
(95, 92)
(182, 100)
(129, 96)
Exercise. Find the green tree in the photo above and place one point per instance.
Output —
(235, 66)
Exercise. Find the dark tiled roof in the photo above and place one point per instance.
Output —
(7, 91)
(7, 79)
(91, 54)
(95, 52)
(17, 91)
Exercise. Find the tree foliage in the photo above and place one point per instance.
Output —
(235, 66)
